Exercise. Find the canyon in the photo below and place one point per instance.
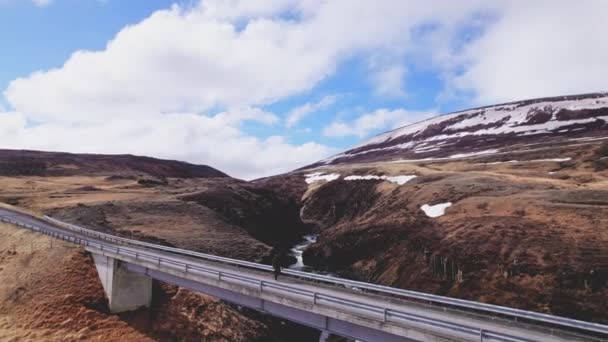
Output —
(504, 204)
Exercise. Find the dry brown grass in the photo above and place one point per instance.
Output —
(522, 235)
(52, 294)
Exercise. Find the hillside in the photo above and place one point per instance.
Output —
(49, 291)
(54, 164)
(165, 202)
(504, 204)
(486, 130)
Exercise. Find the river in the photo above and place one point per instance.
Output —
(298, 250)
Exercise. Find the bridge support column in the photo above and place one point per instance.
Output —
(326, 336)
(126, 291)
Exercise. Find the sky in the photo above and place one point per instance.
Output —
(260, 87)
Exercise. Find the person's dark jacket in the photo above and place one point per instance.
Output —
(276, 262)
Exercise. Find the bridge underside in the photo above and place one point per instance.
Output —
(129, 287)
(314, 320)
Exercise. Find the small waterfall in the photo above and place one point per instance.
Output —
(298, 250)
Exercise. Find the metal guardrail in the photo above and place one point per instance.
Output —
(515, 314)
(375, 312)
(383, 314)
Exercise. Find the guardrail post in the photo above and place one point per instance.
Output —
(314, 298)
(481, 332)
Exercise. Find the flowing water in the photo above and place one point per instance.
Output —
(297, 251)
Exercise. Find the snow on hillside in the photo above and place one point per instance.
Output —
(400, 180)
(485, 130)
(436, 210)
(319, 176)
(517, 117)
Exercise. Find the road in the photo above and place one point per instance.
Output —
(293, 297)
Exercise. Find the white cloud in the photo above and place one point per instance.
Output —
(389, 81)
(214, 140)
(197, 59)
(153, 88)
(297, 114)
(140, 94)
(538, 48)
(381, 119)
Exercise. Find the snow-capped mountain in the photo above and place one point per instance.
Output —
(486, 130)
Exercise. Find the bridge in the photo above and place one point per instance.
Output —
(352, 309)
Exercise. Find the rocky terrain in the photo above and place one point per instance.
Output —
(49, 291)
(166, 202)
(505, 204)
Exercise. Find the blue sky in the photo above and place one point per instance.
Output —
(42, 37)
(260, 87)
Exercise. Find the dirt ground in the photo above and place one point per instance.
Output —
(164, 210)
(124, 207)
(522, 231)
(528, 230)
(49, 291)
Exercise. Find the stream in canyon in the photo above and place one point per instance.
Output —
(297, 251)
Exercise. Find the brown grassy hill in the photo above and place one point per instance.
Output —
(44, 164)
(49, 291)
(527, 228)
(169, 203)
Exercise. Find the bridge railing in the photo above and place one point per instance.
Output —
(459, 304)
(377, 313)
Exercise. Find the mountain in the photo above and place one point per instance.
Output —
(506, 204)
(489, 130)
(38, 163)
(166, 202)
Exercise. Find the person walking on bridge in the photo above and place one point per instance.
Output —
(276, 264)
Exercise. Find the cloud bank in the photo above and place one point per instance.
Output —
(188, 81)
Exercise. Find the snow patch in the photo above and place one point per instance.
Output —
(589, 139)
(435, 210)
(498, 162)
(527, 161)
(472, 154)
(400, 179)
(319, 176)
(551, 160)
(393, 179)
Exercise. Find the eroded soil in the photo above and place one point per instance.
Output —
(526, 230)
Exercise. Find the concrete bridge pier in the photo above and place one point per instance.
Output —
(326, 336)
(125, 290)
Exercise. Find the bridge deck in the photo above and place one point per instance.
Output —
(314, 296)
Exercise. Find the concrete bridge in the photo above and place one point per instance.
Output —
(352, 309)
